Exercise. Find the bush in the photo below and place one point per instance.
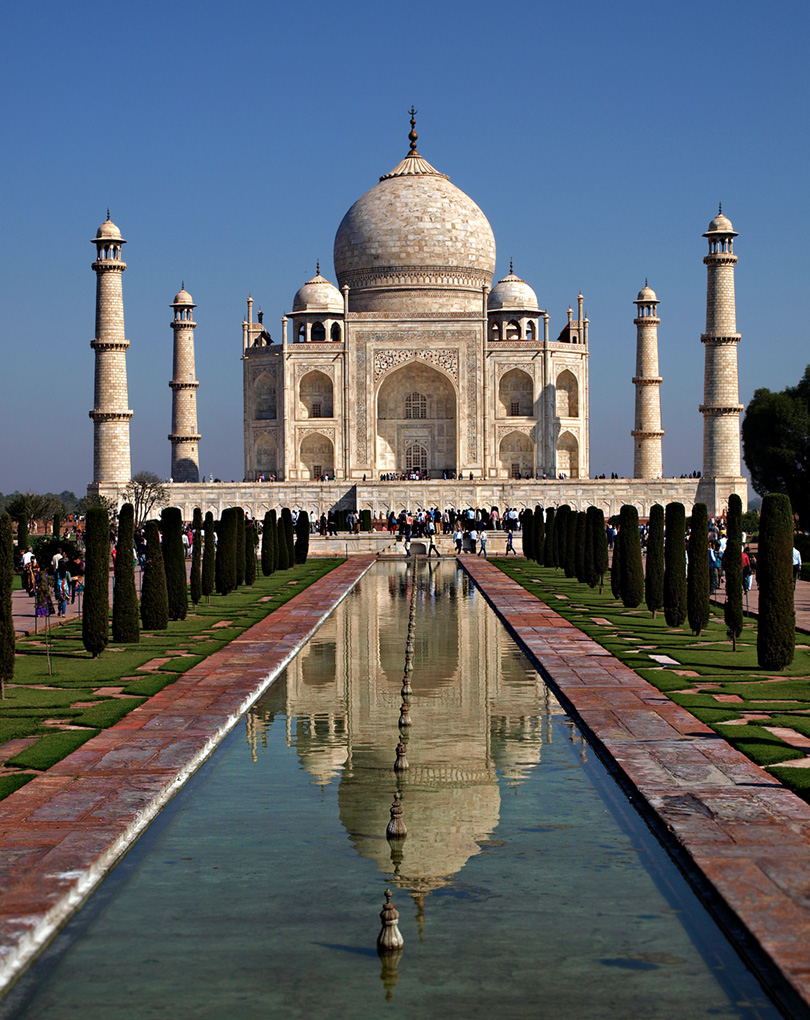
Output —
(550, 543)
(697, 576)
(302, 536)
(776, 632)
(631, 573)
(675, 564)
(174, 561)
(209, 556)
(7, 639)
(96, 614)
(528, 534)
(126, 624)
(154, 594)
(539, 535)
(196, 556)
(654, 574)
(732, 563)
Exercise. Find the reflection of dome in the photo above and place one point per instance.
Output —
(318, 295)
(414, 231)
(512, 293)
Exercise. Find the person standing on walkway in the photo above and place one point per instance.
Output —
(473, 539)
(510, 548)
(432, 545)
(797, 565)
(458, 538)
(482, 538)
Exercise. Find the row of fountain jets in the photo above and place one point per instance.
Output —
(390, 940)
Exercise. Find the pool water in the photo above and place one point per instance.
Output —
(527, 884)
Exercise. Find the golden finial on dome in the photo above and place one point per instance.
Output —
(318, 268)
(413, 135)
(511, 272)
(719, 208)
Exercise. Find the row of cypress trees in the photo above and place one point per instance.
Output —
(575, 541)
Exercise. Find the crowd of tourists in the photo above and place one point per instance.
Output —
(55, 583)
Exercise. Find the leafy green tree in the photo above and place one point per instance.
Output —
(675, 564)
(539, 535)
(209, 556)
(196, 556)
(283, 556)
(580, 548)
(174, 561)
(776, 444)
(7, 639)
(126, 623)
(550, 544)
(289, 534)
(601, 553)
(631, 575)
(240, 546)
(654, 576)
(250, 552)
(697, 574)
(154, 594)
(302, 537)
(528, 534)
(732, 561)
(25, 507)
(776, 630)
(96, 615)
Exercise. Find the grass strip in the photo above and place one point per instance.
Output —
(50, 749)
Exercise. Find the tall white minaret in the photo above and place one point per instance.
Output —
(184, 436)
(110, 414)
(647, 459)
(721, 405)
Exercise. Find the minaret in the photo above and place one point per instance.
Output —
(647, 461)
(721, 405)
(184, 436)
(110, 414)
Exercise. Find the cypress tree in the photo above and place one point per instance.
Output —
(154, 593)
(675, 565)
(273, 542)
(250, 552)
(631, 574)
(126, 622)
(302, 536)
(654, 576)
(615, 570)
(528, 534)
(601, 553)
(733, 609)
(561, 534)
(96, 615)
(570, 548)
(225, 564)
(550, 543)
(57, 525)
(240, 546)
(209, 556)
(590, 577)
(174, 561)
(776, 630)
(7, 639)
(22, 534)
(581, 546)
(697, 574)
(539, 536)
(196, 556)
(267, 553)
(289, 534)
(281, 545)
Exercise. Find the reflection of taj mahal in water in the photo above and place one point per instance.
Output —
(480, 718)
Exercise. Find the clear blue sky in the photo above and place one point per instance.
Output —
(228, 140)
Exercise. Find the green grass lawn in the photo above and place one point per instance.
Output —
(57, 684)
(704, 668)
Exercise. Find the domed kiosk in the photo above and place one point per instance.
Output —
(414, 365)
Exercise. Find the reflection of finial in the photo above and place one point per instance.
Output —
(390, 937)
(413, 135)
(396, 828)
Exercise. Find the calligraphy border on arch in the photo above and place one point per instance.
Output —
(445, 358)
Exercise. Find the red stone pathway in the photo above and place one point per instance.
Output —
(743, 838)
(61, 834)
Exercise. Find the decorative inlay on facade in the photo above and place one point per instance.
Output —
(472, 405)
(415, 276)
(446, 359)
(502, 367)
(326, 430)
(526, 430)
(710, 338)
(109, 345)
(731, 409)
(360, 401)
(303, 368)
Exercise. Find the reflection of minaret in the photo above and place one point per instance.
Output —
(647, 461)
(721, 402)
(184, 436)
(110, 414)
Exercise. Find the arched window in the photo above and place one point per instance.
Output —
(530, 330)
(335, 333)
(416, 458)
(416, 405)
(513, 330)
(495, 331)
(567, 395)
(317, 333)
(264, 399)
(302, 333)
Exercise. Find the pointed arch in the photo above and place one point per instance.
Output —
(315, 396)
(316, 456)
(516, 455)
(265, 397)
(568, 455)
(567, 395)
(516, 393)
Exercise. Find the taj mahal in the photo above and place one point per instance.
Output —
(418, 379)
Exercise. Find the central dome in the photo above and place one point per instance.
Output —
(414, 243)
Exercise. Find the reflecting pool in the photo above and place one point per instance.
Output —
(527, 885)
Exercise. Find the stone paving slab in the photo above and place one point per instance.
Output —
(742, 838)
(62, 832)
